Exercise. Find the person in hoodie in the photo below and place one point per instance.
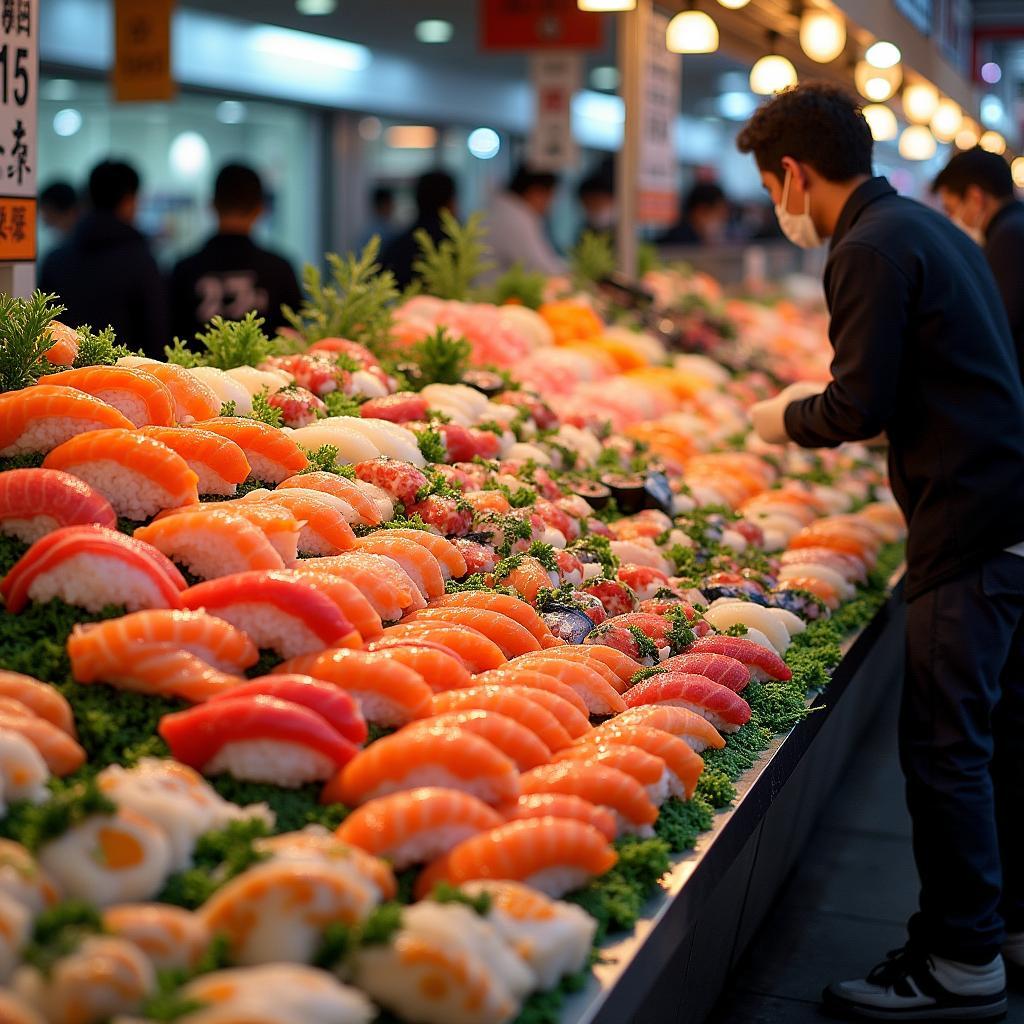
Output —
(104, 273)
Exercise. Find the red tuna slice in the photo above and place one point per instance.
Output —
(463, 444)
(725, 710)
(401, 407)
(762, 663)
(717, 667)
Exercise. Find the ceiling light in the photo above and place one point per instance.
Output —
(483, 143)
(883, 55)
(189, 155)
(691, 32)
(947, 120)
(733, 5)
(433, 30)
(992, 111)
(920, 101)
(231, 112)
(822, 35)
(771, 74)
(59, 89)
(917, 143)
(967, 137)
(991, 72)
(411, 136)
(993, 142)
(882, 122)
(876, 84)
(67, 122)
(338, 54)
(737, 106)
(605, 78)
(316, 7)
(1017, 170)
(606, 5)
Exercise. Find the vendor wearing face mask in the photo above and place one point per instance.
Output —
(976, 191)
(923, 353)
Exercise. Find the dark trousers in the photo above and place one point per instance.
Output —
(962, 752)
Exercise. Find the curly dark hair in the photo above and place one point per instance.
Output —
(816, 123)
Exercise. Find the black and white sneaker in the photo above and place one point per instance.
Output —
(917, 986)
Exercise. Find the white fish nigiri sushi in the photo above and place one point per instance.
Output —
(254, 381)
(391, 439)
(731, 613)
(226, 388)
(352, 445)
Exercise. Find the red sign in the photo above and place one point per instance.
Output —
(538, 25)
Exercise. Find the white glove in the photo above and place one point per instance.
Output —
(768, 417)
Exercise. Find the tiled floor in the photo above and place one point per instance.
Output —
(845, 906)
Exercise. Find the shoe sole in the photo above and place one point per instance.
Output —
(854, 1011)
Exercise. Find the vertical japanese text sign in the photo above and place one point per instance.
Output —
(556, 76)
(19, 66)
(142, 51)
(657, 176)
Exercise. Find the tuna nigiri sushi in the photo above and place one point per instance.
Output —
(477, 651)
(762, 664)
(41, 699)
(138, 475)
(561, 805)
(92, 567)
(554, 855)
(40, 418)
(138, 395)
(440, 667)
(259, 739)
(219, 464)
(508, 735)
(509, 635)
(272, 455)
(418, 825)
(34, 502)
(717, 667)
(347, 596)
(683, 764)
(193, 398)
(276, 611)
(725, 710)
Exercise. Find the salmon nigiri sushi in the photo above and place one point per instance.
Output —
(275, 522)
(92, 567)
(357, 495)
(561, 805)
(34, 502)
(441, 668)
(598, 695)
(554, 855)
(648, 769)
(384, 582)
(41, 699)
(682, 763)
(514, 676)
(219, 464)
(478, 652)
(272, 455)
(618, 668)
(132, 391)
(698, 733)
(508, 735)
(509, 635)
(259, 739)
(276, 611)
(193, 399)
(350, 600)
(39, 418)
(136, 474)
(62, 754)
(417, 825)
(419, 564)
(325, 529)
(725, 710)
(451, 560)
(761, 663)
(411, 758)
(211, 544)
(504, 604)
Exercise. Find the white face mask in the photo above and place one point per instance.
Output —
(972, 233)
(797, 227)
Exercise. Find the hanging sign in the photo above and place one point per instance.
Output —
(142, 51)
(658, 167)
(538, 24)
(556, 77)
(19, 77)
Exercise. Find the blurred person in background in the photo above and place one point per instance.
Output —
(976, 191)
(59, 209)
(516, 230)
(381, 221)
(104, 273)
(596, 194)
(435, 191)
(231, 275)
(705, 217)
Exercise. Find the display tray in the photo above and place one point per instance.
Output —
(673, 966)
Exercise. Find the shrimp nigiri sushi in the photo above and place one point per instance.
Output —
(761, 663)
(138, 395)
(553, 855)
(34, 502)
(258, 739)
(417, 825)
(508, 735)
(92, 567)
(683, 765)
(276, 611)
(138, 475)
(561, 805)
(723, 708)
(272, 455)
(39, 418)
(325, 527)
(446, 757)
(41, 699)
(441, 668)
(193, 399)
(219, 464)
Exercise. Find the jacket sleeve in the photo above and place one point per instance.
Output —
(869, 298)
(1004, 257)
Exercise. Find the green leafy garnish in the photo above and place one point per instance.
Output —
(431, 444)
(229, 408)
(24, 339)
(447, 269)
(441, 357)
(517, 285)
(592, 260)
(59, 931)
(340, 404)
(33, 825)
(645, 646)
(99, 349)
(444, 892)
(263, 411)
(601, 547)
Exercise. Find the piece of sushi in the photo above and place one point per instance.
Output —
(384, 582)
(193, 398)
(850, 567)
(441, 668)
(620, 665)
(419, 564)
(22, 881)
(553, 937)
(109, 858)
(561, 805)
(504, 604)
(367, 505)
(257, 382)
(92, 567)
(227, 390)
(647, 769)
(65, 340)
(35, 502)
(762, 664)
(509, 736)
(272, 455)
(13, 1008)
(138, 395)
(445, 757)
(825, 573)
(324, 528)
(219, 464)
(417, 825)
(352, 446)
(276, 611)
(173, 938)
(388, 692)
(552, 855)
(723, 616)
(478, 652)
(516, 675)
(138, 475)
(571, 719)
(258, 739)
(42, 699)
(695, 730)
(723, 708)
(351, 601)
(512, 638)
(515, 702)
(683, 764)
(275, 522)
(275, 912)
(717, 667)
(599, 696)
(392, 440)
(23, 769)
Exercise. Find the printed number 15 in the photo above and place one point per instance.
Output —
(19, 73)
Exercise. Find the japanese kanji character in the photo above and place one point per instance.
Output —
(7, 16)
(24, 25)
(18, 223)
(19, 151)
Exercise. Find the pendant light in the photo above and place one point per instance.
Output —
(1017, 170)
(882, 122)
(877, 84)
(773, 72)
(967, 137)
(917, 143)
(993, 142)
(883, 55)
(920, 101)
(822, 35)
(691, 31)
(734, 5)
(947, 120)
(604, 6)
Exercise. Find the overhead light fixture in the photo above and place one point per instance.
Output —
(876, 84)
(338, 54)
(316, 7)
(734, 5)
(691, 32)
(605, 78)
(882, 122)
(483, 143)
(231, 112)
(189, 155)
(991, 72)
(883, 55)
(603, 6)
(822, 35)
(67, 122)
(992, 142)
(992, 111)
(917, 143)
(1017, 170)
(411, 136)
(772, 73)
(967, 137)
(920, 101)
(433, 30)
(947, 120)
